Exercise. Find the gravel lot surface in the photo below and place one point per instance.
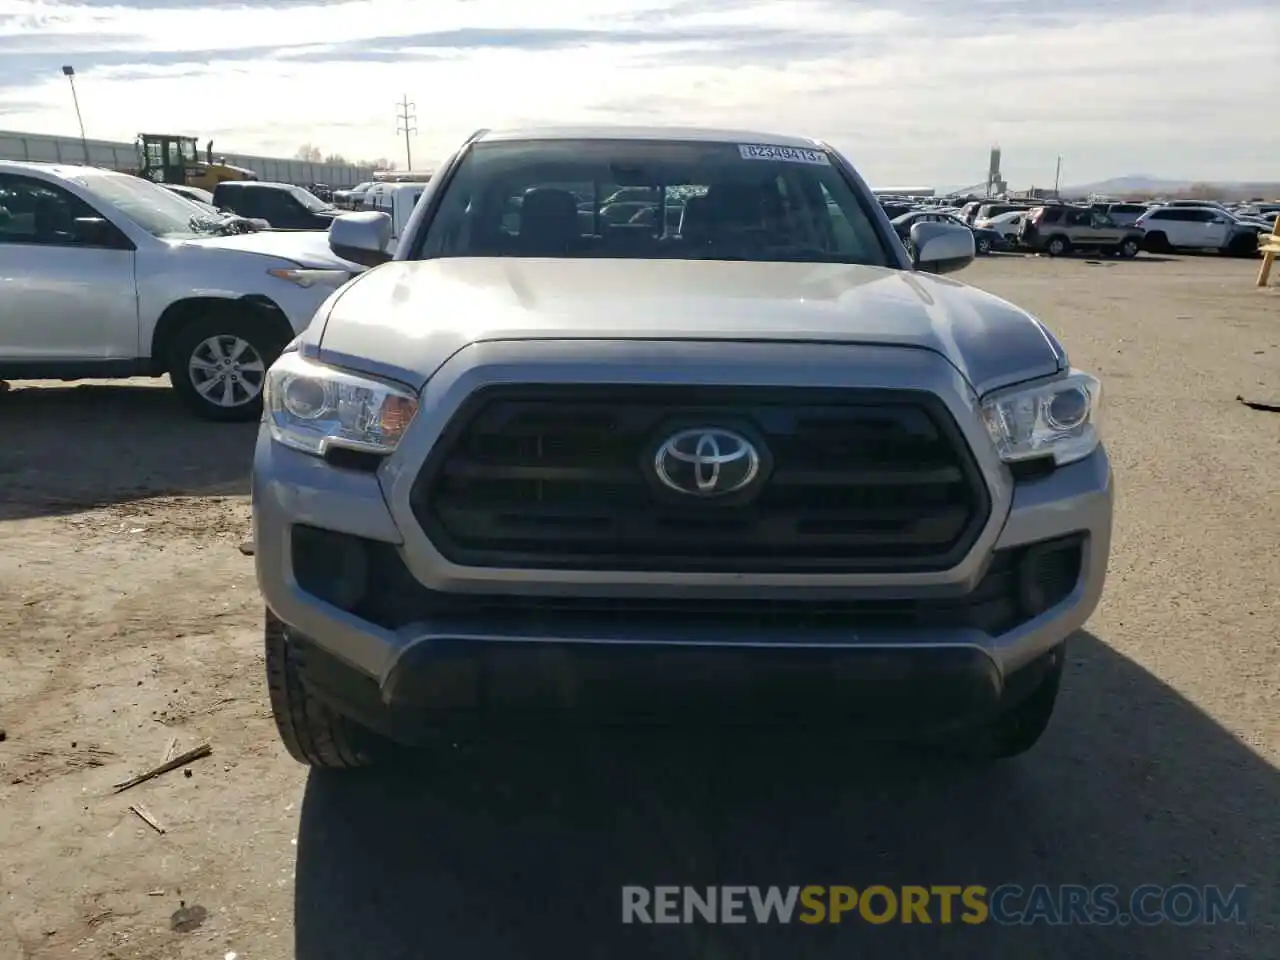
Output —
(128, 618)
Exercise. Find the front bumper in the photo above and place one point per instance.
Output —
(444, 640)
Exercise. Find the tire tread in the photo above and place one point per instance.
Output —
(1020, 727)
(312, 732)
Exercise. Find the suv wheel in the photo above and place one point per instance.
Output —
(1157, 242)
(219, 363)
(312, 732)
(1057, 246)
(1129, 248)
(984, 246)
(1017, 729)
(1242, 245)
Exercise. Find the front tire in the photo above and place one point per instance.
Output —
(1057, 247)
(1018, 728)
(1128, 249)
(312, 732)
(1157, 242)
(218, 365)
(984, 246)
(1242, 245)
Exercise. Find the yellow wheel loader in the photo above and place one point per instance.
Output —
(168, 158)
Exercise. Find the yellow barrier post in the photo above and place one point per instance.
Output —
(1270, 246)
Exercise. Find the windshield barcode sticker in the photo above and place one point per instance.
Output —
(761, 151)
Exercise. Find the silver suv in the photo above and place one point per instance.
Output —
(737, 459)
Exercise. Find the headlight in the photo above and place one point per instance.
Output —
(311, 278)
(1058, 419)
(311, 407)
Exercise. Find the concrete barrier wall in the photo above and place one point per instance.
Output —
(116, 155)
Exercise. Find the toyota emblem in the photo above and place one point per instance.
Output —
(707, 462)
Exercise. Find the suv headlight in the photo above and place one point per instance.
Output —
(311, 407)
(1058, 419)
(307, 278)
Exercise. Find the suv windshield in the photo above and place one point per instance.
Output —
(652, 199)
(157, 210)
(309, 200)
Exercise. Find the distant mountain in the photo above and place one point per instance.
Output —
(1133, 183)
(1138, 183)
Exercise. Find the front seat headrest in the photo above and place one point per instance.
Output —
(549, 219)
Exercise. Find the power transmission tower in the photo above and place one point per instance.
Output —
(407, 118)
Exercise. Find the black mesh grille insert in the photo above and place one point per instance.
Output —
(561, 477)
(370, 580)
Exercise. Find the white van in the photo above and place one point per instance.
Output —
(397, 200)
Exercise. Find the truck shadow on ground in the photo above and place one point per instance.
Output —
(522, 851)
(72, 448)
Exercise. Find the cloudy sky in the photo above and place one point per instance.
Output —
(914, 91)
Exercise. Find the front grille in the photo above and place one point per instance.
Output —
(560, 477)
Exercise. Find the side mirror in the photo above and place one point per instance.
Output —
(941, 247)
(361, 237)
(95, 232)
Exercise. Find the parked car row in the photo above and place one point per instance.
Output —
(352, 199)
(1118, 227)
(284, 206)
(111, 275)
(985, 239)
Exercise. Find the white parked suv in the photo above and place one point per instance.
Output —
(108, 275)
(1209, 227)
(1006, 224)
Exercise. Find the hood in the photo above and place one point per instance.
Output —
(307, 248)
(411, 316)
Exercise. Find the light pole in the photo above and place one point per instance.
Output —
(70, 73)
(407, 125)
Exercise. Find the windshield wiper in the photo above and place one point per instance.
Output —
(203, 224)
(227, 226)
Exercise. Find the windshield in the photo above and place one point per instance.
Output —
(309, 200)
(652, 199)
(157, 210)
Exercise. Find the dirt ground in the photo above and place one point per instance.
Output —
(129, 619)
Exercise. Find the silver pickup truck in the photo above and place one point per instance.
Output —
(733, 458)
